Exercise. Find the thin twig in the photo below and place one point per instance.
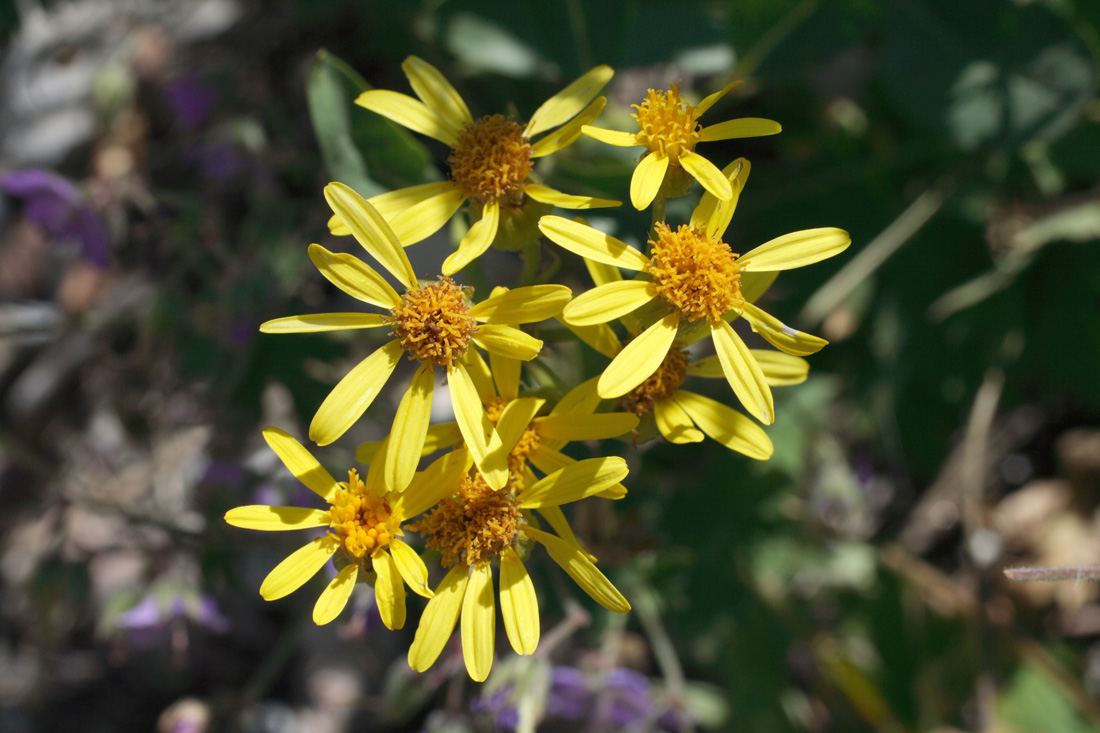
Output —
(1026, 574)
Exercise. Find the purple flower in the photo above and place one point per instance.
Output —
(569, 696)
(149, 621)
(191, 101)
(629, 695)
(505, 715)
(55, 205)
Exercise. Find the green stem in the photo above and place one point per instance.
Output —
(658, 215)
(531, 258)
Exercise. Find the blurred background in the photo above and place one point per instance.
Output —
(161, 167)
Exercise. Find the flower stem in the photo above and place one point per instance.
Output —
(1055, 573)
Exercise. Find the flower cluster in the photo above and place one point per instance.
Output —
(494, 495)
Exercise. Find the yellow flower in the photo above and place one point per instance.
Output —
(434, 323)
(364, 522)
(695, 281)
(669, 129)
(477, 527)
(490, 158)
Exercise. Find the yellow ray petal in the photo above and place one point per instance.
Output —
(569, 101)
(392, 203)
(371, 231)
(478, 625)
(714, 215)
(710, 99)
(755, 284)
(581, 400)
(523, 305)
(354, 394)
(507, 341)
(301, 463)
(476, 241)
(276, 518)
(568, 133)
(409, 112)
(547, 195)
(638, 359)
(506, 373)
(354, 277)
(515, 418)
(573, 561)
(518, 604)
(617, 138)
(488, 454)
(436, 482)
(436, 92)
(602, 273)
(549, 460)
(555, 517)
(707, 174)
(337, 228)
(412, 568)
(375, 481)
(479, 372)
(410, 427)
(586, 427)
(439, 618)
(389, 590)
(647, 179)
(335, 595)
(780, 369)
(674, 423)
(319, 322)
(599, 336)
(424, 218)
(780, 335)
(743, 373)
(796, 249)
(607, 302)
(741, 127)
(591, 243)
(574, 482)
(726, 425)
(293, 572)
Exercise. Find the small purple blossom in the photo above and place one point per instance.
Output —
(629, 694)
(569, 696)
(149, 621)
(497, 704)
(191, 101)
(56, 205)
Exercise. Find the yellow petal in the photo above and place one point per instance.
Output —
(506, 373)
(523, 305)
(354, 277)
(574, 482)
(412, 568)
(478, 625)
(638, 359)
(796, 249)
(479, 372)
(423, 219)
(518, 604)
(569, 101)
(586, 427)
(410, 427)
(647, 180)
(337, 228)
(392, 203)
(476, 241)
(409, 112)
(754, 285)
(707, 174)
(674, 423)
(375, 482)
(581, 400)
(611, 137)
(439, 618)
(354, 394)
(301, 463)
(555, 517)
(515, 418)
(568, 133)
(780, 369)
(605, 303)
(335, 595)
(436, 92)
(371, 231)
(726, 425)
(742, 127)
(547, 195)
(489, 455)
(507, 341)
(436, 482)
(573, 561)
(591, 243)
(743, 373)
(389, 590)
(293, 572)
(548, 461)
(599, 336)
(601, 273)
(713, 214)
(780, 335)
(710, 99)
(319, 322)
(276, 518)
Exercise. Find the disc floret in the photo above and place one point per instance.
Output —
(474, 526)
(492, 158)
(434, 322)
(660, 385)
(667, 123)
(362, 522)
(695, 274)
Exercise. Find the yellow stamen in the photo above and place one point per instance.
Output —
(363, 522)
(473, 526)
(695, 274)
(662, 384)
(667, 123)
(491, 159)
(434, 322)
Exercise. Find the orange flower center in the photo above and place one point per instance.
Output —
(491, 159)
(667, 123)
(695, 274)
(473, 526)
(434, 322)
(363, 522)
(527, 444)
(660, 385)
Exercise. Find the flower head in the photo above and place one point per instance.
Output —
(491, 158)
(54, 204)
(669, 129)
(363, 520)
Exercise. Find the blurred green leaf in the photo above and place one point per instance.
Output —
(1035, 701)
